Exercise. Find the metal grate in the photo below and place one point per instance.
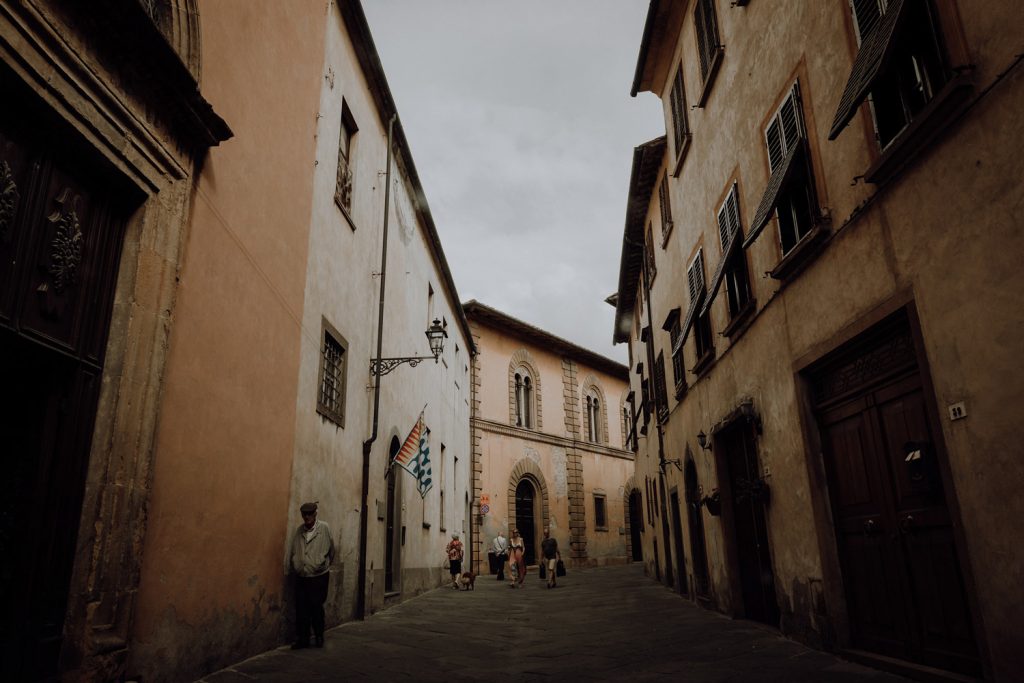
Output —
(332, 358)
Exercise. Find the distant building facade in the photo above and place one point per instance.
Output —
(817, 288)
(548, 442)
(191, 287)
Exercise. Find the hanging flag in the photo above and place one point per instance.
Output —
(414, 456)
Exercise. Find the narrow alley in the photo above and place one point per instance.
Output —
(599, 624)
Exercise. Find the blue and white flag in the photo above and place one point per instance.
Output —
(414, 456)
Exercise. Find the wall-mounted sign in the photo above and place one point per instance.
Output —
(485, 499)
(484, 509)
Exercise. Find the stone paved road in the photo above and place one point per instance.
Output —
(604, 624)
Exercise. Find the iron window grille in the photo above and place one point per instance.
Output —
(331, 395)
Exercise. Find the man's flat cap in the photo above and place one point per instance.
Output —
(307, 507)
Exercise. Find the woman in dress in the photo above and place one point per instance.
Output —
(516, 563)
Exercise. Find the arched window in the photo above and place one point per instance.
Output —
(524, 392)
(524, 399)
(592, 419)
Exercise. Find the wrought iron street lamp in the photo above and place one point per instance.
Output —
(436, 335)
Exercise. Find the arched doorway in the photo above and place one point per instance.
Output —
(698, 550)
(526, 520)
(636, 521)
(392, 559)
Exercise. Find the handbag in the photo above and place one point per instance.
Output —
(560, 569)
(543, 570)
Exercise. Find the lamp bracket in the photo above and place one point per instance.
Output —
(382, 366)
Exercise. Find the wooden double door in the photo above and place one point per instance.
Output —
(905, 590)
(61, 230)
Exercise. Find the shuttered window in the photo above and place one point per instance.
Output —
(331, 390)
(790, 193)
(660, 389)
(677, 103)
(666, 210)
(706, 23)
(901, 64)
(652, 268)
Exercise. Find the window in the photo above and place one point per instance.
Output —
(524, 396)
(709, 48)
(702, 321)
(672, 326)
(600, 516)
(680, 123)
(660, 393)
(443, 459)
(593, 418)
(737, 282)
(625, 426)
(652, 269)
(645, 388)
(790, 193)
(901, 65)
(343, 186)
(330, 401)
(666, 210)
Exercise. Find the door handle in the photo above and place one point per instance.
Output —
(907, 524)
(870, 528)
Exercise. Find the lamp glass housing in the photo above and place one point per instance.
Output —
(435, 336)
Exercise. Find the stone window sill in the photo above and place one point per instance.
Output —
(801, 255)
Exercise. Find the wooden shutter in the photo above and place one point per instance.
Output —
(677, 102)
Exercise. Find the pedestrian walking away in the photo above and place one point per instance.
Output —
(549, 549)
(311, 556)
(500, 549)
(454, 551)
(516, 559)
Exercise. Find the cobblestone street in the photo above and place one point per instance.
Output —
(600, 624)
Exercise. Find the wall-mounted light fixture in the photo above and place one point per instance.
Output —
(435, 337)
(702, 441)
(665, 462)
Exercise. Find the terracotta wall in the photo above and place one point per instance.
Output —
(212, 575)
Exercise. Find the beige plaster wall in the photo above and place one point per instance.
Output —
(548, 453)
(941, 235)
(212, 573)
(343, 287)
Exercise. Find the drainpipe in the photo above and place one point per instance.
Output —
(364, 513)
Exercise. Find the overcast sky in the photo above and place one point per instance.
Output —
(522, 129)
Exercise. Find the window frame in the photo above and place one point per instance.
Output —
(603, 499)
(334, 414)
(681, 134)
(736, 273)
(665, 204)
(344, 186)
(704, 349)
(709, 46)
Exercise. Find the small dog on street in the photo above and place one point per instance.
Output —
(467, 581)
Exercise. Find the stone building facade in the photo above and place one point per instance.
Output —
(817, 287)
(191, 299)
(548, 442)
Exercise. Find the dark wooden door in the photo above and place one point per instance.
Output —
(698, 549)
(525, 520)
(61, 229)
(904, 587)
(750, 526)
(677, 536)
(636, 522)
(665, 534)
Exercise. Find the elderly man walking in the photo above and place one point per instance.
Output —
(549, 549)
(311, 557)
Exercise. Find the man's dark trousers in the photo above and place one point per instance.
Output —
(310, 595)
(502, 559)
